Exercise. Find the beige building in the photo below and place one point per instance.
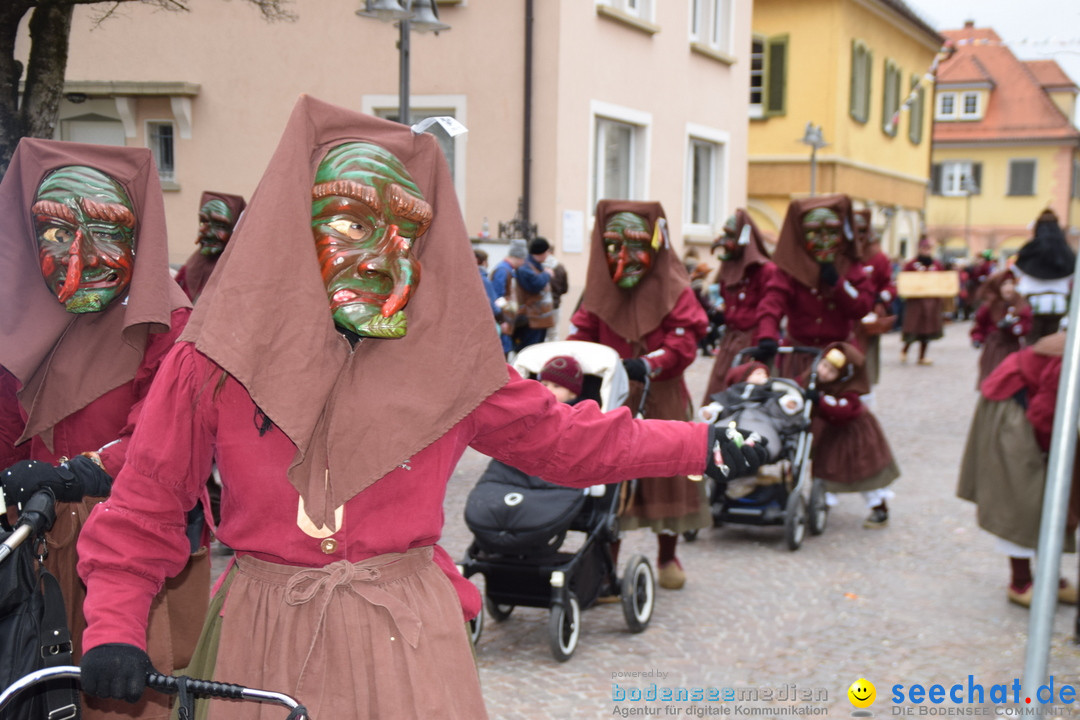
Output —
(638, 99)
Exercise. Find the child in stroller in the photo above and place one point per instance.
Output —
(520, 522)
(782, 491)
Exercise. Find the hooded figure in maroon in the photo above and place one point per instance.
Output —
(218, 214)
(654, 326)
(337, 389)
(820, 288)
(744, 272)
(72, 382)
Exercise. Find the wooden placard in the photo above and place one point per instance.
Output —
(928, 284)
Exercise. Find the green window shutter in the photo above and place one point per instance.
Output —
(776, 52)
(856, 67)
(976, 175)
(916, 112)
(935, 179)
(868, 73)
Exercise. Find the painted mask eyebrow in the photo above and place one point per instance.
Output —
(349, 188)
(106, 212)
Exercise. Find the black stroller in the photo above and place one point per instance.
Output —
(784, 492)
(37, 676)
(519, 524)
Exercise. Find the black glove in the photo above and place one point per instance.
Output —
(69, 482)
(766, 350)
(812, 395)
(115, 670)
(636, 368)
(829, 275)
(731, 458)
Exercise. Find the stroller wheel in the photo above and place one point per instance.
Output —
(819, 509)
(564, 627)
(795, 521)
(638, 593)
(498, 612)
(476, 627)
(690, 535)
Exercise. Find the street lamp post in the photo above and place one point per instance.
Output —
(815, 138)
(418, 15)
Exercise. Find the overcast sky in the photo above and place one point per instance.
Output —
(1033, 29)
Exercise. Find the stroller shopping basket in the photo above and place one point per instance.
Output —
(511, 513)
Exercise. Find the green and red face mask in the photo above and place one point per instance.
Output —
(630, 248)
(730, 245)
(823, 234)
(366, 215)
(216, 224)
(85, 228)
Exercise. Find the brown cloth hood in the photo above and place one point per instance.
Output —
(857, 381)
(354, 415)
(198, 267)
(65, 360)
(636, 312)
(791, 255)
(732, 271)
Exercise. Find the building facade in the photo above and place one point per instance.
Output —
(829, 110)
(566, 102)
(1005, 147)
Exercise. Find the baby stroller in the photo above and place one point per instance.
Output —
(187, 688)
(519, 524)
(784, 492)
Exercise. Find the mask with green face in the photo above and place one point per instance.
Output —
(629, 247)
(85, 228)
(216, 223)
(822, 234)
(366, 214)
(729, 245)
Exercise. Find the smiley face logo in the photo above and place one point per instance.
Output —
(862, 693)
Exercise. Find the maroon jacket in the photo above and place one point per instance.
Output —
(741, 299)
(1036, 374)
(817, 316)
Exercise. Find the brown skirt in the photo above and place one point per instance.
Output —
(922, 319)
(854, 456)
(1003, 472)
(380, 638)
(734, 341)
(671, 503)
(172, 627)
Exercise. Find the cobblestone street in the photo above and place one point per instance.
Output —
(922, 601)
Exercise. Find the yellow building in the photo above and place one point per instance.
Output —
(838, 72)
(1005, 147)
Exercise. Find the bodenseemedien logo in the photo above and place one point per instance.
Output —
(862, 694)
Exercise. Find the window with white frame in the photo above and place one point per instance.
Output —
(970, 105)
(1021, 177)
(638, 8)
(619, 159)
(946, 106)
(957, 178)
(710, 24)
(959, 106)
(160, 137)
(704, 194)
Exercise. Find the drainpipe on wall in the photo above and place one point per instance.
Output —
(526, 151)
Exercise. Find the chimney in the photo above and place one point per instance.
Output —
(969, 24)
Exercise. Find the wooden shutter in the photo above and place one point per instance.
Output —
(935, 179)
(976, 175)
(775, 92)
(916, 112)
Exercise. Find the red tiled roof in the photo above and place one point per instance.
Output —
(1018, 108)
(1049, 74)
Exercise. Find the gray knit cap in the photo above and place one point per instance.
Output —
(518, 248)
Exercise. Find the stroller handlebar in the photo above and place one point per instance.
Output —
(167, 684)
(37, 516)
